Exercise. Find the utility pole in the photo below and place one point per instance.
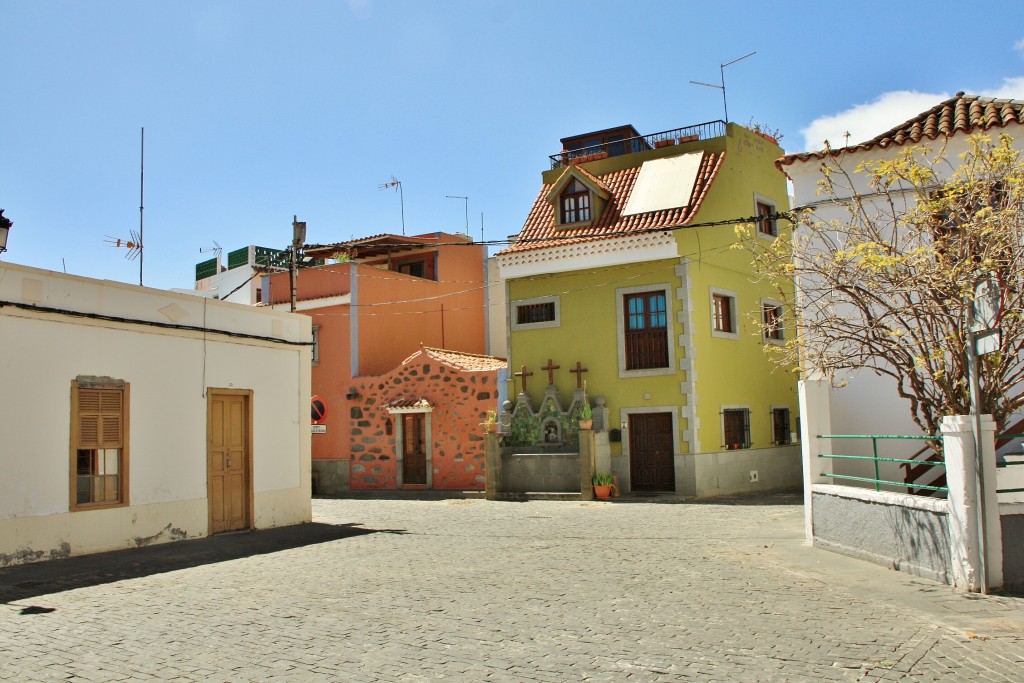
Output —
(298, 239)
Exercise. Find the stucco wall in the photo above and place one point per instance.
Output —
(903, 532)
(169, 371)
(540, 472)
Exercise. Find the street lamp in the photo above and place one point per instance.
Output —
(5, 228)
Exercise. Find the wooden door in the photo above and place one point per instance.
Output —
(414, 452)
(651, 456)
(228, 458)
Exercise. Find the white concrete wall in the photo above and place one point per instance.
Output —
(169, 372)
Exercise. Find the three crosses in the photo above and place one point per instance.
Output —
(551, 367)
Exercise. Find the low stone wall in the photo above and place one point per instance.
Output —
(900, 531)
(1012, 518)
(330, 477)
(540, 472)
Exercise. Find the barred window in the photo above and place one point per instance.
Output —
(736, 428)
(535, 313)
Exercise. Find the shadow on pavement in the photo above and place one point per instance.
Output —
(53, 576)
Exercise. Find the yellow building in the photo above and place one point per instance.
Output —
(626, 275)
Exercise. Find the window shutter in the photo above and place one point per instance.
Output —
(99, 418)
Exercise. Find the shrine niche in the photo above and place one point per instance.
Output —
(552, 427)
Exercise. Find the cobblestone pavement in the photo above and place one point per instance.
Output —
(541, 591)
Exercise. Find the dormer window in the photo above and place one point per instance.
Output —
(575, 203)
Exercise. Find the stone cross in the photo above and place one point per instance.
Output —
(578, 371)
(524, 373)
(550, 367)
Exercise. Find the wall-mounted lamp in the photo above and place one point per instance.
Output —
(5, 229)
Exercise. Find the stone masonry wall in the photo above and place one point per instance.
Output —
(460, 403)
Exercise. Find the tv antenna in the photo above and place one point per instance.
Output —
(396, 183)
(721, 68)
(134, 245)
(465, 199)
(216, 250)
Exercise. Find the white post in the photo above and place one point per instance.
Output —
(815, 419)
(990, 499)
(964, 509)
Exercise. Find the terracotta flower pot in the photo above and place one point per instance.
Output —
(602, 491)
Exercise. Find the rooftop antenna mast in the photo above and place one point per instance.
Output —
(466, 200)
(721, 68)
(216, 250)
(134, 245)
(395, 182)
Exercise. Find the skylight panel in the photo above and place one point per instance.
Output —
(664, 184)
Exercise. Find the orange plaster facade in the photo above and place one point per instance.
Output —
(369, 316)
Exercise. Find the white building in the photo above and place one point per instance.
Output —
(133, 416)
(869, 403)
(969, 535)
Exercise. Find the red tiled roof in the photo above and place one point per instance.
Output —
(959, 114)
(468, 362)
(540, 230)
(408, 403)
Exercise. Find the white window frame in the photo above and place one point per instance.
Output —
(765, 303)
(620, 330)
(395, 415)
(557, 322)
(761, 199)
(733, 313)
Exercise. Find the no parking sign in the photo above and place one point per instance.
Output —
(318, 410)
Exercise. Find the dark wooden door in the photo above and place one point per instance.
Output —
(414, 452)
(651, 457)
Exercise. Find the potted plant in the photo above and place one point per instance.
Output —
(603, 484)
(586, 419)
(490, 423)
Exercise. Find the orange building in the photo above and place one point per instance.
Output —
(387, 298)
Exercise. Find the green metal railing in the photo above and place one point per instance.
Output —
(877, 480)
(1001, 437)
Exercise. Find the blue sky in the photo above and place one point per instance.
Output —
(257, 110)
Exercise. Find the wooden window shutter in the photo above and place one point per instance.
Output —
(99, 418)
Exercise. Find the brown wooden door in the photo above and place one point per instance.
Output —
(651, 457)
(414, 452)
(227, 461)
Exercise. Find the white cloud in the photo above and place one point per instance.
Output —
(865, 121)
(1019, 45)
(1012, 88)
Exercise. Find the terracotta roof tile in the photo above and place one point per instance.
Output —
(403, 402)
(959, 114)
(540, 230)
(467, 362)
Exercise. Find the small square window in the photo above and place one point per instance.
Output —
(529, 314)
